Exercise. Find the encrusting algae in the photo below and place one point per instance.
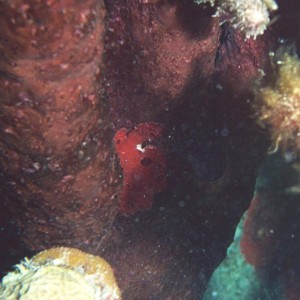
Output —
(278, 104)
(61, 274)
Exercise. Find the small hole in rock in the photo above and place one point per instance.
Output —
(146, 161)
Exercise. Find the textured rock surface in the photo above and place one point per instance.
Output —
(56, 151)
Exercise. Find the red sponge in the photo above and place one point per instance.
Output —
(144, 166)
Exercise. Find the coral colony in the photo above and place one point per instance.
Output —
(250, 16)
(132, 133)
(63, 273)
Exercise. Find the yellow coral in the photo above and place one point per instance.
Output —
(61, 273)
(279, 105)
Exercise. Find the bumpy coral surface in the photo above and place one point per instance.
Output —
(61, 273)
(48, 282)
(55, 137)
